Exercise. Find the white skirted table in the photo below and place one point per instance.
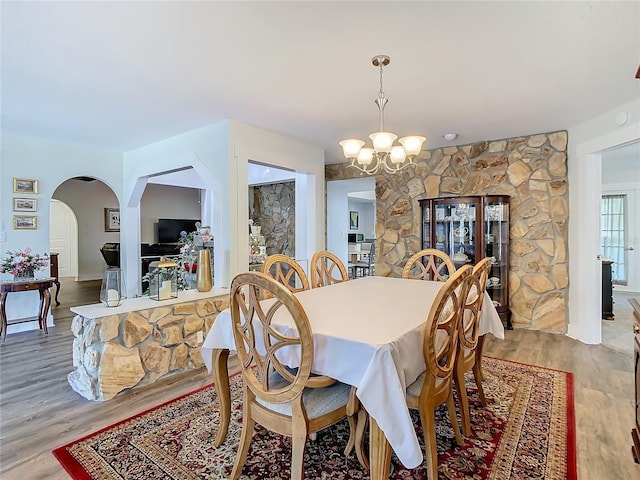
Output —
(367, 333)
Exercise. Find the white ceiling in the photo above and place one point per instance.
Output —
(120, 75)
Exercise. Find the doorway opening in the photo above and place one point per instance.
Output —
(272, 213)
(63, 238)
(343, 197)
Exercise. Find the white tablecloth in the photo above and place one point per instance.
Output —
(368, 333)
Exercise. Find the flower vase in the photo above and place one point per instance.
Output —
(204, 280)
(23, 275)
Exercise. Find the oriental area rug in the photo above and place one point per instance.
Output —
(526, 431)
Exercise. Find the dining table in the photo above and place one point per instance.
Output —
(367, 333)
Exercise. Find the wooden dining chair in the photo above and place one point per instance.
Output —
(327, 269)
(429, 264)
(287, 271)
(287, 401)
(466, 357)
(440, 343)
(367, 265)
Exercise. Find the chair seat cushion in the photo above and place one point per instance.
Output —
(317, 401)
(415, 388)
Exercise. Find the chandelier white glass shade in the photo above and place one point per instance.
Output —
(384, 155)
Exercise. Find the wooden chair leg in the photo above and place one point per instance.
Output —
(353, 424)
(299, 436)
(427, 418)
(363, 417)
(454, 419)
(479, 349)
(248, 424)
(463, 401)
(477, 375)
(357, 417)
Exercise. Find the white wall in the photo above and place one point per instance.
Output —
(248, 143)
(50, 163)
(586, 141)
(165, 201)
(220, 154)
(366, 217)
(617, 169)
(206, 151)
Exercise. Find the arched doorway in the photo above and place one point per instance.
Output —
(86, 198)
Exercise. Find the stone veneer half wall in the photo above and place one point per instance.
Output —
(131, 349)
(532, 170)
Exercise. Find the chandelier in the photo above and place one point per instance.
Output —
(384, 154)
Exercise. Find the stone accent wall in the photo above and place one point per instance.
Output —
(274, 209)
(131, 349)
(532, 170)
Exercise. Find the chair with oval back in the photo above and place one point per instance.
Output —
(286, 401)
(429, 264)
(327, 269)
(440, 343)
(467, 358)
(286, 271)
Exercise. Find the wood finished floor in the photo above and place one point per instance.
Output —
(39, 411)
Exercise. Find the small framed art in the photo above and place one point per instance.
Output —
(353, 220)
(25, 185)
(111, 219)
(25, 204)
(25, 222)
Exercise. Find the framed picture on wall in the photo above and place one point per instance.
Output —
(353, 220)
(25, 222)
(25, 185)
(25, 204)
(111, 219)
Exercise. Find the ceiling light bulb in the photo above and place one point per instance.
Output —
(450, 136)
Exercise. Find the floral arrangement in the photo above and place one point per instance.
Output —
(20, 261)
(188, 253)
(189, 243)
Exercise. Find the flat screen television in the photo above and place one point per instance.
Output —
(169, 229)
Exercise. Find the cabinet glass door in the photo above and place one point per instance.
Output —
(426, 225)
(496, 237)
(455, 231)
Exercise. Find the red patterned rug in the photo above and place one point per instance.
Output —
(527, 431)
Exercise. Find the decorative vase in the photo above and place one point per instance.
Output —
(26, 274)
(204, 279)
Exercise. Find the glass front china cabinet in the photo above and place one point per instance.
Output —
(469, 229)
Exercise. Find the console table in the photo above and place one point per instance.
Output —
(53, 265)
(42, 285)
